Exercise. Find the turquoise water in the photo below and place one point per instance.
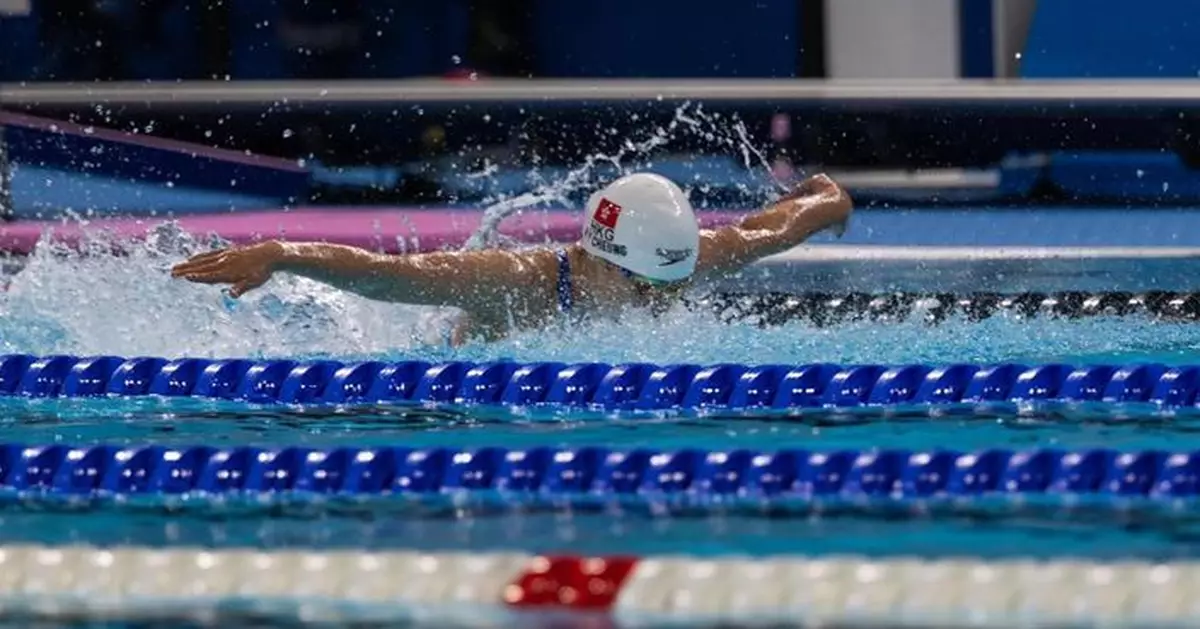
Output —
(57, 305)
(997, 530)
(291, 315)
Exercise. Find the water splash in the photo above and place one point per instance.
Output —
(682, 336)
(93, 301)
(96, 302)
(689, 122)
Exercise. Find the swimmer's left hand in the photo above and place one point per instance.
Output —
(245, 268)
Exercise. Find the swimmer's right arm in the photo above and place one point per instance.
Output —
(460, 279)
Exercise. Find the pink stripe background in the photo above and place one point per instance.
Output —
(392, 230)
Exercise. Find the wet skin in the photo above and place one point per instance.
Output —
(500, 290)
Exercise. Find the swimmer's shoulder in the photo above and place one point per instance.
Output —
(532, 272)
(528, 300)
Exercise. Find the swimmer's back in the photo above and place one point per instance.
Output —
(531, 297)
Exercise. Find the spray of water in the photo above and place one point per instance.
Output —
(94, 302)
(97, 303)
(689, 122)
(91, 301)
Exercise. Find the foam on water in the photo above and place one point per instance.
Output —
(98, 303)
(696, 337)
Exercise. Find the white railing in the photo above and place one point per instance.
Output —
(192, 93)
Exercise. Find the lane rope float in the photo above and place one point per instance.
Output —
(594, 475)
(823, 309)
(622, 387)
(491, 588)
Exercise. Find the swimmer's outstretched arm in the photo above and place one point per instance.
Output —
(462, 279)
(817, 204)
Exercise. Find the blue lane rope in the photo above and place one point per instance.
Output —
(637, 386)
(575, 475)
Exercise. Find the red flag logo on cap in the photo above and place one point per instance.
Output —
(607, 213)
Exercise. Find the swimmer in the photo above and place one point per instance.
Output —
(641, 247)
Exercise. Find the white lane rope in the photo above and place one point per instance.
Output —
(485, 588)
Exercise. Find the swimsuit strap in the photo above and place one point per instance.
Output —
(566, 297)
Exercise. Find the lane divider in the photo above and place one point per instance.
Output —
(767, 309)
(336, 586)
(589, 476)
(623, 387)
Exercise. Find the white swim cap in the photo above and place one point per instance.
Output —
(645, 224)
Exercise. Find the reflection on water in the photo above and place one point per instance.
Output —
(186, 422)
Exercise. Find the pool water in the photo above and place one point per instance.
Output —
(1006, 531)
(1049, 528)
(56, 306)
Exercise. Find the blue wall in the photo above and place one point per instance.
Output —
(657, 38)
(399, 39)
(976, 35)
(577, 38)
(662, 38)
(1113, 39)
(172, 52)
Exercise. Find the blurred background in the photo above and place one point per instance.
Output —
(462, 103)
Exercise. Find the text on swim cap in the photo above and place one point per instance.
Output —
(607, 213)
(601, 238)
